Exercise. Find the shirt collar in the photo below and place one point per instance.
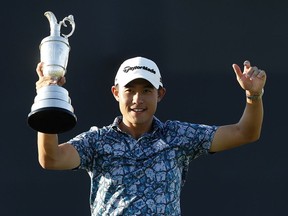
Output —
(156, 124)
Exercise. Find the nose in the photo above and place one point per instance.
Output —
(137, 98)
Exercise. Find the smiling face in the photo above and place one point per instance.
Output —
(138, 102)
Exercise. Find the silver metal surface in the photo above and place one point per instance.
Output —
(52, 111)
(54, 49)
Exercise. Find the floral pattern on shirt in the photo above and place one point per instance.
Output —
(144, 176)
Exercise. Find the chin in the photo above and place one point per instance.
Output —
(141, 121)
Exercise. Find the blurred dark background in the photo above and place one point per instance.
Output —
(194, 44)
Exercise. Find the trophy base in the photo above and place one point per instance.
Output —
(52, 120)
(52, 111)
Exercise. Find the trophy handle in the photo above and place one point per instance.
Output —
(69, 19)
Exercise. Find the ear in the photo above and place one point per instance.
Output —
(115, 92)
(161, 93)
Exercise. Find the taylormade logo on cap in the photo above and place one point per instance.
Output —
(128, 68)
(138, 67)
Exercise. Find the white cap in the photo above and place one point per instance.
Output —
(138, 67)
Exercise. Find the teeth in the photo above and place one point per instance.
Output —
(138, 110)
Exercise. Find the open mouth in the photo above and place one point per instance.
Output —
(138, 110)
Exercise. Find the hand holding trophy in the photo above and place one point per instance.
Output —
(52, 111)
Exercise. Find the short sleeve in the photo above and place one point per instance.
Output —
(85, 143)
(195, 139)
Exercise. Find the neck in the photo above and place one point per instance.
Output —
(135, 130)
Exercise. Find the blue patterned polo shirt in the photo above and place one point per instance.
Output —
(144, 176)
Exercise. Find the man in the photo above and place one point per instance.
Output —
(138, 164)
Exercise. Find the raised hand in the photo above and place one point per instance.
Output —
(46, 80)
(251, 79)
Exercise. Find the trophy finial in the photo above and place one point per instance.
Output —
(55, 27)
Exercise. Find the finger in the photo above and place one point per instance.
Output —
(261, 74)
(247, 64)
(61, 81)
(237, 70)
(39, 69)
(43, 81)
(252, 72)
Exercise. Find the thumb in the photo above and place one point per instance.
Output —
(39, 69)
(237, 70)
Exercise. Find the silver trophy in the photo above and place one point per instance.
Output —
(52, 111)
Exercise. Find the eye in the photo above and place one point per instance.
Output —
(147, 90)
(127, 90)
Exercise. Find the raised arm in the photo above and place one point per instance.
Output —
(51, 155)
(248, 129)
